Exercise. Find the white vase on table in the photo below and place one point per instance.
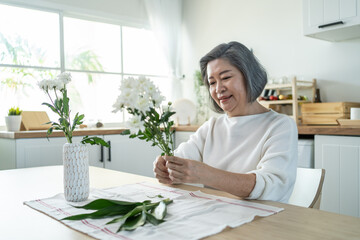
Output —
(76, 172)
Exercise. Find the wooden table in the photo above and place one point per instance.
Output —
(18, 221)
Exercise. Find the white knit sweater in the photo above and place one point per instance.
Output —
(264, 144)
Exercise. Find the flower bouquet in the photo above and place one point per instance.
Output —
(60, 106)
(150, 121)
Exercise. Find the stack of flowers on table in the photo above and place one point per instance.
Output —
(149, 120)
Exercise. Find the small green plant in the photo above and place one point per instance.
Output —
(14, 111)
(201, 99)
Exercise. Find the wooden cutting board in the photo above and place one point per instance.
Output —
(34, 120)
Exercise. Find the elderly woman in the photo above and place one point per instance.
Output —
(250, 151)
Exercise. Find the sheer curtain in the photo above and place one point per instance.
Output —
(165, 20)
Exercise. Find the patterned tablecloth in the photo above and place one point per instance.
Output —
(192, 215)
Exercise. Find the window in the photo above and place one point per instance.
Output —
(142, 54)
(97, 54)
(92, 46)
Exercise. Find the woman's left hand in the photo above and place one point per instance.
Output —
(183, 170)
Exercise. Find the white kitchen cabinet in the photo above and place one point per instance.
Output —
(32, 152)
(128, 155)
(331, 20)
(340, 157)
(36, 152)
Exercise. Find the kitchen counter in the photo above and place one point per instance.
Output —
(328, 130)
(79, 132)
(302, 129)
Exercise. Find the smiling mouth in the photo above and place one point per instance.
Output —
(224, 99)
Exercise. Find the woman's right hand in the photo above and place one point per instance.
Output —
(161, 171)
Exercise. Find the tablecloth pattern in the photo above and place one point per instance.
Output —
(192, 215)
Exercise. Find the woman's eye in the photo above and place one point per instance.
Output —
(224, 78)
(211, 83)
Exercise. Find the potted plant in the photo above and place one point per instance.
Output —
(202, 97)
(13, 120)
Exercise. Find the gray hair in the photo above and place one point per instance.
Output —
(244, 60)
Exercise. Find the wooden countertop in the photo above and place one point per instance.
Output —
(302, 129)
(79, 132)
(328, 130)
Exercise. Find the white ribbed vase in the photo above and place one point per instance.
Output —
(76, 172)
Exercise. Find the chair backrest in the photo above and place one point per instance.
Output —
(307, 188)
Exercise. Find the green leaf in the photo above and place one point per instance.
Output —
(133, 135)
(122, 219)
(101, 203)
(94, 141)
(65, 103)
(125, 132)
(80, 118)
(51, 107)
(64, 122)
(153, 220)
(74, 122)
(165, 117)
(156, 196)
(133, 222)
(103, 212)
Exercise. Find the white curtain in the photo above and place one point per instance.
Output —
(165, 21)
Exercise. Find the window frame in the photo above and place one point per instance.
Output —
(63, 14)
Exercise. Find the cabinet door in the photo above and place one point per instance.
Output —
(130, 155)
(7, 154)
(348, 9)
(317, 13)
(36, 152)
(331, 11)
(340, 157)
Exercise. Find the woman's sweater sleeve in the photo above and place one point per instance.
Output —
(276, 171)
(194, 147)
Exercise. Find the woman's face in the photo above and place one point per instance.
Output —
(227, 87)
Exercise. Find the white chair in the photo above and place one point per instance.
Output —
(307, 188)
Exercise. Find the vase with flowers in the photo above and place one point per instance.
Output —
(150, 121)
(75, 155)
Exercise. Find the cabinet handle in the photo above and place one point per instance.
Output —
(331, 24)
(101, 153)
(109, 159)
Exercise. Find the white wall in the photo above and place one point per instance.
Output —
(274, 30)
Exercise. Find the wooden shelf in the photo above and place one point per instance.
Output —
(290, 101)
(288, 86)
(294, 87)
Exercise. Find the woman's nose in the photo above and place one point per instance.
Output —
(219, 87)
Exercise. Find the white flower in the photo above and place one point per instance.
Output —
(143, 104)
(157, 98)
(135, 124)
(128, 83)
(64, 78)
(55, 84)
(138, 94)
(43, 84)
